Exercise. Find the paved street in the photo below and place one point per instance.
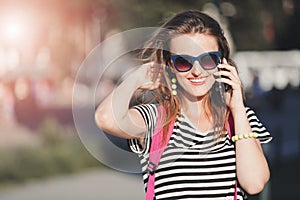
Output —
(102, 184)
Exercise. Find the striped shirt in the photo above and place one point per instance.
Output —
(193, 165)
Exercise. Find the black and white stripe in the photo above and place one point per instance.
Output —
(193, 165)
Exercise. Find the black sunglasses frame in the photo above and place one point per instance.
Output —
(198, 58)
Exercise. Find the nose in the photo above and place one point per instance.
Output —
(197, 69)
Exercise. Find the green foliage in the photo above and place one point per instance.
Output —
(51, 132)
(22, 164)
(58, 154)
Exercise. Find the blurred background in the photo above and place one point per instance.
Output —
(44, 42)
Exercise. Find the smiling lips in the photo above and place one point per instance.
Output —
(197, 81)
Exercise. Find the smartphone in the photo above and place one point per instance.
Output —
(226, 86)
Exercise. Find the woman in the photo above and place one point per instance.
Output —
(189, 65)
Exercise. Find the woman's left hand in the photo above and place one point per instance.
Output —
(229, 75)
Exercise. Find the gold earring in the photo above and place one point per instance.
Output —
(174, 86)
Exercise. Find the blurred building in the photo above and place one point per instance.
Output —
(273, 69)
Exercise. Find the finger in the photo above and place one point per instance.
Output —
(227, 66)
(233, 84)
(228, 96)
(227, 74)
(231, 75)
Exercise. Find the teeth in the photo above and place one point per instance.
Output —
(197, 80)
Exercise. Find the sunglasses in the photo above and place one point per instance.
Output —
(208, 61)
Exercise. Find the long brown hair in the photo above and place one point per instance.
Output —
(157, 50)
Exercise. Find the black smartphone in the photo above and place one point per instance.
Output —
(226, 86)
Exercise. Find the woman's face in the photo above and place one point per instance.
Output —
(196, 82)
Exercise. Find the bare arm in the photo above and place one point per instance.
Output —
(113, 114)
(252, 167)
(251, 164)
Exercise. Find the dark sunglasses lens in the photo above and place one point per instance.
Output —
(209, 61)
(183, 64)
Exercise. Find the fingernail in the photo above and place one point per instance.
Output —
(217, 73)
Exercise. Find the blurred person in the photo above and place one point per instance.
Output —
(193, 80)
(27, 112)
(7, 104)
(44, 92)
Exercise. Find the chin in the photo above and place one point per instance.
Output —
(195, 94)
(196, 91)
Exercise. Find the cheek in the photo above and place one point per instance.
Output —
(211, 78)
(181, 80)
(210, 81)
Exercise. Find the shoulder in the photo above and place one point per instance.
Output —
(146, 108)
(149, 114)
(250, 113)
(252, 116)
(257, 126)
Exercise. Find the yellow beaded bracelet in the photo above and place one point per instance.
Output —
(244, 136)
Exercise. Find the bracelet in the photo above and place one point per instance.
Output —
(244, 136)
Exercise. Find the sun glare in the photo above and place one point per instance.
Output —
(14, 25)
(12, 29)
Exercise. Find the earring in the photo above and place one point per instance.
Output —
(174, 86)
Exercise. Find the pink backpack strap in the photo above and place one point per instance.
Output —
(156, 150)
(230, 129)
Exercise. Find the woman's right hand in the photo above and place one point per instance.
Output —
(113, 115)
(149, 75)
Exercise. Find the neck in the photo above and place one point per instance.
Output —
(193, 106)
(195, 111)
